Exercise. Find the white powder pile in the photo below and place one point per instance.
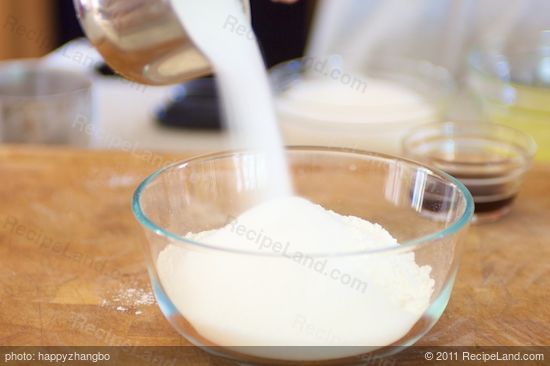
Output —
(281, 296)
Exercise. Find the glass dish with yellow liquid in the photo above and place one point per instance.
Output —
(513, 86)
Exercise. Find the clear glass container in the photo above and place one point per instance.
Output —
(426, 210)
(44, 105)
(490, 159)
(512, 84)
(381, 124)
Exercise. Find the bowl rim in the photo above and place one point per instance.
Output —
(31, 66)
(406, 246)
(448, 130)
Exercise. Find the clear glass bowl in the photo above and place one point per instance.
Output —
(512, 85)
(44, 105)
(426, 210)
(379, 127)
(490, 159)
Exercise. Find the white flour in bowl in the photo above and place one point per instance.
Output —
(280, 296)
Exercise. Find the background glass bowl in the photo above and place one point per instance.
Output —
(490, 159)
(40, 104)
(432, 83)
(427, 211)
(512, 84)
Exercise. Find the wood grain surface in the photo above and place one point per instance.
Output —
(70, 259)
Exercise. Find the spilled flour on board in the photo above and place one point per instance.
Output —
(129, 300)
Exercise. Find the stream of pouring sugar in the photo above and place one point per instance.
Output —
(223, 33)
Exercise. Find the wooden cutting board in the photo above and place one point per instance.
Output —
(71, 262)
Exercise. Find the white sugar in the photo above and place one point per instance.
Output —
(223, 33)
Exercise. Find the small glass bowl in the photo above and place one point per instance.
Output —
(490, 159)
(242, 288)
(44, 105)
(379, 127)
(512, 84)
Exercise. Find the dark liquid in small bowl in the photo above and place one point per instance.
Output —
(485, 207)
(493, 194)
(490, 160)
(488, 196)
